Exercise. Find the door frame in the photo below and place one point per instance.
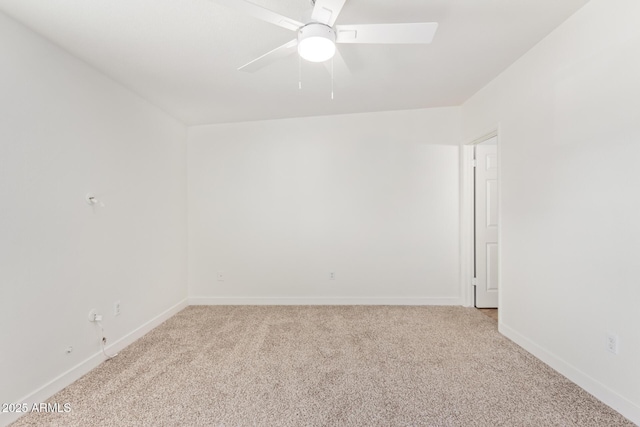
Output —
(467, 217)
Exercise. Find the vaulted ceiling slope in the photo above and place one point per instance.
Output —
(183, 55)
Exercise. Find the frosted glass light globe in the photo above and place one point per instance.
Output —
(316, 42)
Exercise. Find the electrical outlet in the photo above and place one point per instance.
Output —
(94, 316)
(116, 308)
(332, 276)
(612, 343)
(220, 276)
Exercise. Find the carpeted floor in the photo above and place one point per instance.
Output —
(326, 366)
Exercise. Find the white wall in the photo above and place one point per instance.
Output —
(278, 205)
(569, 120)
(66, 130)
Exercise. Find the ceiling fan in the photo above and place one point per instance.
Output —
(316, 40)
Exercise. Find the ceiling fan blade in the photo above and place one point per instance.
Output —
(269, 57)
(327, 11)
(262, 13)
(422, 32)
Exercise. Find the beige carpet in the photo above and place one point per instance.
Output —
(326, 366)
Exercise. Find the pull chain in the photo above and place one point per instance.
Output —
(299, 73)
(331, 78)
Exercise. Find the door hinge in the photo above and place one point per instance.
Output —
(474, 163)
(474, 282)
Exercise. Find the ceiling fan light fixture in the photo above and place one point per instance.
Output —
(316, 42)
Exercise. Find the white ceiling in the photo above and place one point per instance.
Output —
(182, 55)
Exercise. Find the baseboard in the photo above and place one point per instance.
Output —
(75, 373)
(320, 301)
(601, 392)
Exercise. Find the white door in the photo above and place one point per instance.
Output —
(486, 224)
